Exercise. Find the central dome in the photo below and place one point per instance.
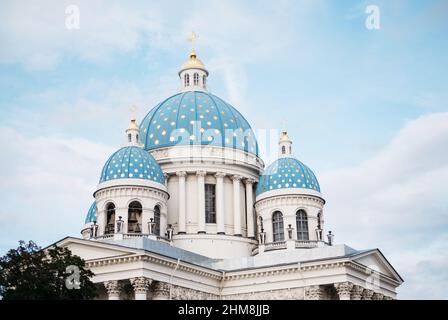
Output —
(196, 118)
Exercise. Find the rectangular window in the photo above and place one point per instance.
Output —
(210, 203)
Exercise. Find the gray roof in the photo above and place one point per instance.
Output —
(268, 259)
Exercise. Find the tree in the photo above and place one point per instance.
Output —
(31, 273)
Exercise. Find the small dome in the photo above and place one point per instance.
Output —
(132, 163)
(176, 121)
(287, 173)
(193, 63)
(91, 214)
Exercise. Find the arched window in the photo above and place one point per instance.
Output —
(283, 149)
(157, 220)
(302, 225)
(187, 80)
(196, 79)
(277, 227)
(135, 217)
(319, 220)
(110, 219)
(204, 81)
(136, 137)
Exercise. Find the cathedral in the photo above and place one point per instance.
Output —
(187, 210)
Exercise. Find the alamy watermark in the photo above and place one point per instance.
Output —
(373, 19)
(72, 18)
(73, 279)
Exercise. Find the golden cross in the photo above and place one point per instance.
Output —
(133, 110)
(284, 124)
(193, 39)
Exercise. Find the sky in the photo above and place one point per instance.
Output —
(366, 108)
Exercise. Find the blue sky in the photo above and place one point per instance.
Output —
(366, 108)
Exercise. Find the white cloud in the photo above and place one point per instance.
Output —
(48, 185)
(397, 202)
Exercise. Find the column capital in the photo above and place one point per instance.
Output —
(377, 296)
(112, 288)
(220, 175)
(140, 284)
(237, 177)
(166, 175)
(367, 294)
(161, 290)
(201, 173)
(357, 292)
(344, 290)
(250, 181)
(181, 173)
(313, 293)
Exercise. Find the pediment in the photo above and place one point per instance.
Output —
(375, 260)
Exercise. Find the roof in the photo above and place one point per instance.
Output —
(270, 259)
(132, 162)
(197, 118)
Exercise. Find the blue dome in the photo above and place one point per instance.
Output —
(287, 173)
(132, 162)
(196, 118)
(91, 215)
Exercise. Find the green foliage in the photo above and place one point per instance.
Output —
(29, 273)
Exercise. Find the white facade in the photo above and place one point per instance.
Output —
(216, 227)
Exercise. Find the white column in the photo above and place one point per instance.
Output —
(201, 201)
(236, 205)
(182, 227)
(161, 291)
(357, 292)
(313, 293)
(250, 208)
(112, 289)
(141, 285)
(367, 294)
(344, 290)
(220, 222)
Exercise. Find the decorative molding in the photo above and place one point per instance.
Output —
(314, 293)
(250, 181)
(290, 199)
(344, 289)
(201, 173)
(140, 284)
(112, 287)
(282, 294)
(152, 259)
(357, 292)
(207, 154)
(367, 294)
(161, 289)
(377, 296)
(220, 175)
(181, 293)
(130, 191)
(181, 173)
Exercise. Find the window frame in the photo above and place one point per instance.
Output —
(278, 227)
(302, 230)
(210, 202)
